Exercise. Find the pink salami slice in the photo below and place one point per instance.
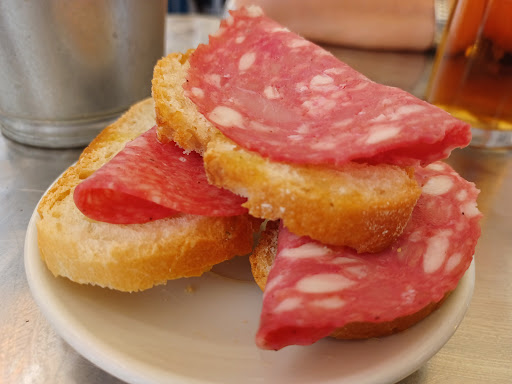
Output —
(149, 180)
(313, 289)
(275, 93)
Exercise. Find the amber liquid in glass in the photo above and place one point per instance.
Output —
(472, 74)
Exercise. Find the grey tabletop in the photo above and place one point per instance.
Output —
(479, 352)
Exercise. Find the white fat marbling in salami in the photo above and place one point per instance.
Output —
(275, 93)
(313, 289)
(149, 180)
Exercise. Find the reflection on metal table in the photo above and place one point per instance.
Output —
(480, 351)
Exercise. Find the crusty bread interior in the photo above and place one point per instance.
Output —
(177, 117)
(262, 259)
(362, 206)
(137, 256)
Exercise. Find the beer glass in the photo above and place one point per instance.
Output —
(472, 72)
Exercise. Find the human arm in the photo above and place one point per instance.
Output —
(371, 24)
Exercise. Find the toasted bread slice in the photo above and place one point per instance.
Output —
(362, 206)
(262, 259)
(137, 256)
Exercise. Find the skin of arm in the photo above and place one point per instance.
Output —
(369, 24)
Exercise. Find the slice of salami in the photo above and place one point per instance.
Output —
(275, 93)
(313, 289)
(149, 180)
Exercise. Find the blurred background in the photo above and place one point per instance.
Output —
(211, 7)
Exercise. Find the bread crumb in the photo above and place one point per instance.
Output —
(190, 289)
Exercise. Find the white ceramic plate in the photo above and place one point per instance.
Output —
(201, 330)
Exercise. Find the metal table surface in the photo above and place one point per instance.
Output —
(479, 352)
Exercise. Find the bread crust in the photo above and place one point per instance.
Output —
(137, 256)
(262, 259)
(362, 206)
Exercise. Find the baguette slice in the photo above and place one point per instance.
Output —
(137, 256)
(362, 206)
(358, 205)
(262, 259)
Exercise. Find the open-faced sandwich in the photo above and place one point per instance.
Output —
(367, 231)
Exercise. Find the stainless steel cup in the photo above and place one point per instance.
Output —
(69, 67)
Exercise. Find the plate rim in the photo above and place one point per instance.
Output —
(118, 364)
